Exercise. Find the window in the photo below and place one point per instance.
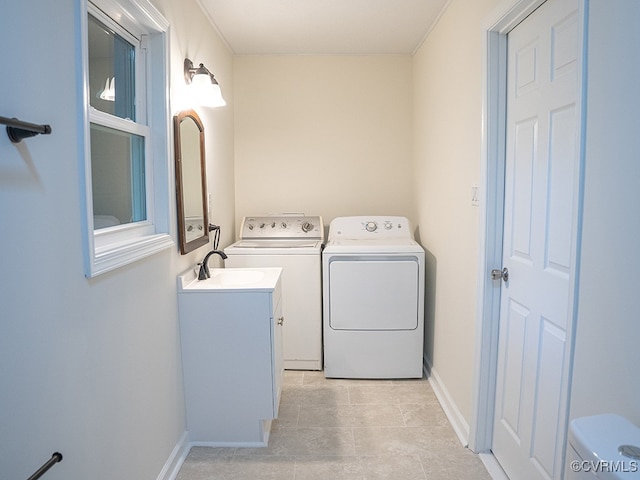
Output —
(126, 168)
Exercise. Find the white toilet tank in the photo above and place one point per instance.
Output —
(604, 447)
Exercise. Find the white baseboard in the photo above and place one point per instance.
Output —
(176, 459)
(455, 417)
(181, 450)
(492, 466)
(228, 444)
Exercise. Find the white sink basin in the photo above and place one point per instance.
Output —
(235, 276)
(230, 279)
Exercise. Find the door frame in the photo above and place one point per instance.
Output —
(494, 38)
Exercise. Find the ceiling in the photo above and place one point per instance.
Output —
(337, 27)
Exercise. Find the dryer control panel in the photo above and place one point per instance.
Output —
(370, 227)
(283, 227)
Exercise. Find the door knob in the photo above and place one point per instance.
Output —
(497, 274)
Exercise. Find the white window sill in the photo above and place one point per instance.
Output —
(116, 255)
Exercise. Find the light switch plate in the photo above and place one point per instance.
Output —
(475, 195)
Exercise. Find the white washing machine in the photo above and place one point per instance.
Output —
(293, 242)
(373, 298)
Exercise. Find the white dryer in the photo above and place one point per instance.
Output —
(373, 299)
(293, 242)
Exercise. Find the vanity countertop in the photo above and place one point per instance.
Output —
(231, 280)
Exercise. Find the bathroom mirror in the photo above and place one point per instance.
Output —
(191, 181)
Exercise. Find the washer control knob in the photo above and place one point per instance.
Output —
(307, 227)
(250, 226)
(388, 225)
(371, 226)
(284, 225)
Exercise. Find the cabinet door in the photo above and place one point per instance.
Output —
(276, 356)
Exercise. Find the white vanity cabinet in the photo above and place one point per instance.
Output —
(231, 336)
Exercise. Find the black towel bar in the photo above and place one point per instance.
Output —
(17, 129)
(55, 458)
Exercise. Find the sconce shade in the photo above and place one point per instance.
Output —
(205, 89)
(109, 91)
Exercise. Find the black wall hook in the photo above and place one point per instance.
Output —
(17, 129)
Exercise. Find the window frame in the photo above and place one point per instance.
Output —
(109, 248)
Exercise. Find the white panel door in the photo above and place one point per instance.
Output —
(541, 207)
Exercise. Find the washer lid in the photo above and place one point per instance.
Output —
(270, 243)
(274, 247)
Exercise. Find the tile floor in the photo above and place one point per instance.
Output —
(330, 429)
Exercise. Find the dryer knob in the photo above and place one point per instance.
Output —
(307, 227)
(371, 226)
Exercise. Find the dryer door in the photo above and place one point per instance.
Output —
(373, 293)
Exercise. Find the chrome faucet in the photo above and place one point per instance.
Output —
(203, 274)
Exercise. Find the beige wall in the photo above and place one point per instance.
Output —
(323, 135)
(347, 135)
(605, 377)
(208, 48)
(90, 367)
(312, 133)
(448, 97)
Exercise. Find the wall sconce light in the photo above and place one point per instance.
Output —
(204, 87)
(109, 91)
